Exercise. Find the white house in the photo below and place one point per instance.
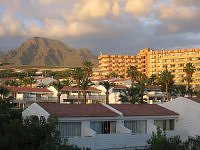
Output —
(189, 114)
(69, 94)
(153, 94)
(24, 96)
(101, 126)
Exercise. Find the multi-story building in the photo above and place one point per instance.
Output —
(151, 62)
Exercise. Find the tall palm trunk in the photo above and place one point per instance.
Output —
(59, 94)
(85, 96)
(107, 97)
(167, 91)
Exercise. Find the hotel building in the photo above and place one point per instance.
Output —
(150, 62)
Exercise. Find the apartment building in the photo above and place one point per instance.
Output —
(150, 62)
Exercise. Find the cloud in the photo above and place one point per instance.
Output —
(139, 7)
(104, 24)
(10, 26)
(173, 11)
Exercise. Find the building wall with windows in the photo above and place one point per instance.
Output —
(102, 126)
(189, 112)
(150, 62)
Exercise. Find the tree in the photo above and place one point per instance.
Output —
(87, 68)
(58, 85)
(12, 83)
(33, 133)
(193, 143)
(159, 141)
(107, 85)
(28, 81)
(179, 90)
(132, 72)
(84, 85)
(166, 80)
(153, 80)
(189, 70)
(132, 95)
(77, 74)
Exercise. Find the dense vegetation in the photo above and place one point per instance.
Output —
(29, 134)
(159, 141)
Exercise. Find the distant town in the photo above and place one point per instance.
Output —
(120, 103)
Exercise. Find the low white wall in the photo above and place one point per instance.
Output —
(111, 141)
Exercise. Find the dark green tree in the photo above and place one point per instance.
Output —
(189, 70)
(84, 85)
(166, 81)
(87, 68)
(132, 72)
(133, 95)
(159, 141)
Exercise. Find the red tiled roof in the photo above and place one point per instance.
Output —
(75, 88)
(77, 110)
(142, 110)
(29, 89)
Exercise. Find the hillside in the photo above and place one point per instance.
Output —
(47, 52)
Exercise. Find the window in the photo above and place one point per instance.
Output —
(103, 127)
(165, 124)
(136, 126)
(69, 129)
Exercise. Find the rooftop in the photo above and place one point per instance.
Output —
(28, 89)
(143, 110)
(77, 110)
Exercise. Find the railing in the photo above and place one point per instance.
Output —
(88, 97)
(37, 99)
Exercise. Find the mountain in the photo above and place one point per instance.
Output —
(39, 51)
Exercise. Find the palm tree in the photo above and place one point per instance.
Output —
(189, 69)
(166, 80)
(77, 74)
(179, 90)
(12, 83)
(132, 72)
(107, 85)
(153, 79)
(131, 95)
(28, 81)
(87, 68)
(84, 85)
(58, 85)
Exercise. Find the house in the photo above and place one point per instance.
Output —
(69, 94)
(189, 111)
(24, 96)
(45, 81)
(153, 94)
(102, 126)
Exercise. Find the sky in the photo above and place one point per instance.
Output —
(107, 26)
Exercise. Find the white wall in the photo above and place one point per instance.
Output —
(55, 92)
(35, 109)
(189, 114)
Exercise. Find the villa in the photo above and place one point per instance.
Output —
(102, 126)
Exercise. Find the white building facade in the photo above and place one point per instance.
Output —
(101, 126)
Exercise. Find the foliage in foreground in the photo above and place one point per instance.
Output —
(159, 141)
(29, 134)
